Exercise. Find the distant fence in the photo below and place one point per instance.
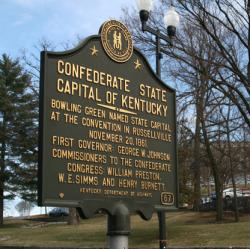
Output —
(195, 247)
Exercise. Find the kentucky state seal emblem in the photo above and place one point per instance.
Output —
(116, 41)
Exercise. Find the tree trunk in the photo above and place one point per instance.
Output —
(196, 163)
(2, 169)
(73, 218)
(208, 183)
(244, 159)
(219, 200)
(236, 208)
(215, 171)
(245, 175)
(248, 65)
(1, 205)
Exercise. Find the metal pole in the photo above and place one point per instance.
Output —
(158, 55)
(119, 227)
(162, 230)
(161, 214)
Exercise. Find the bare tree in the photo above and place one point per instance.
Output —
(208, 63)
(24, 207)
(231, 18)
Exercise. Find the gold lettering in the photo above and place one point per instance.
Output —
(126, 161)
(129, 151)
(160, 126)
(104, 136)
(102, 80)
(126, 183)
(79, 156)
(139, 121)
(55, 116)
(66, 106)
(92, 145)
(96, 77)
(153, 92)
(88, 74)
(60, 85)
(155, 186)
(82, 69)
(70, 180)
(91, 76)
(151, 165)
(119, 172)
(74, 88)
(119, 117)
(143, 105)
(103, 125)
(90, 111)
(108, 182)
(89, 180)
(62, 141)
(147, 175)
(71, 119)
(61, 177)
(60, 64)
(91, 190)
(109, 80)
(67, 68)
(85, 168)
(147, 133)
(115, 192)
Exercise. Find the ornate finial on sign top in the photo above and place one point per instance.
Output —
(116, 41)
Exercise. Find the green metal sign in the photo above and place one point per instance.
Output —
(107, 128)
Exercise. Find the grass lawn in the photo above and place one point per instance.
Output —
(184, 229)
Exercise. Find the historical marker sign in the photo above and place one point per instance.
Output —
(107, 128)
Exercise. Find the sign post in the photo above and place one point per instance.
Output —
(107, 132)
(119, 227)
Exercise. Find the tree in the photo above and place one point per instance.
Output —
(32, 62)
(232, 18)
(244, 152)
(184, 140)
(208, 62)
(191, 74)
(18, 133)
(24, 207)
(74, 218)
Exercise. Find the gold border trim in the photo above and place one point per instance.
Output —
(117, 109)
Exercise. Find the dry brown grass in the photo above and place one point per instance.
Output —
(184, 229)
